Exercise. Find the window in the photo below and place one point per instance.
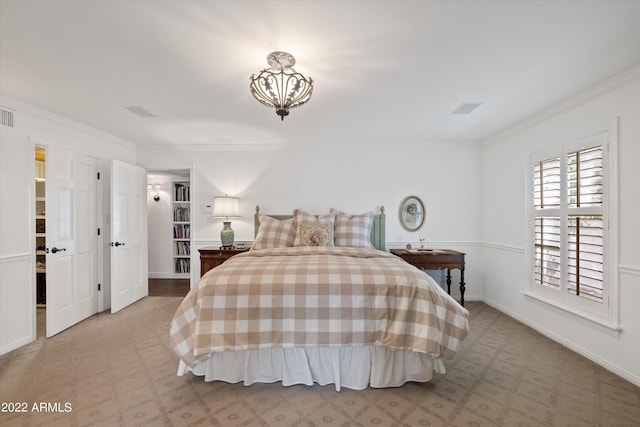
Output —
(571, 243)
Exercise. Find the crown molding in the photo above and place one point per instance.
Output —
(356, 145)
(20, 106)
(623, 79)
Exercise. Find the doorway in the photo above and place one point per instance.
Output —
(169, 231)
(41, 242)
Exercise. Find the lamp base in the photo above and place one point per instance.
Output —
(227, 235)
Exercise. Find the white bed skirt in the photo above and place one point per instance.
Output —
(351, 367)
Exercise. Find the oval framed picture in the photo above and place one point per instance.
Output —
(412, 213)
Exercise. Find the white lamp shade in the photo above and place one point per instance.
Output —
(226, 207)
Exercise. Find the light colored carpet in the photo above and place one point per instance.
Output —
(118, 370)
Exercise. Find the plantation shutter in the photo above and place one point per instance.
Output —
(585, 223)
(568, 222)
(546, 196)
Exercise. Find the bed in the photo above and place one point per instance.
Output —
(317, 299)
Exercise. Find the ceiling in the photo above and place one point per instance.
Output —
(384, 71)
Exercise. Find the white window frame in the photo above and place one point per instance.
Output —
(606, 314)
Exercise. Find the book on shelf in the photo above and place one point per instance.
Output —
(182, 231)
(183, 248)
(181, 214)
(182, 265)
(182, 193)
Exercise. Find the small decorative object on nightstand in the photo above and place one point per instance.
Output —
(212, 257)
(436, 259)
(226, 207)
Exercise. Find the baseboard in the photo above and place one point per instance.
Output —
(161, 275)
(15, 345)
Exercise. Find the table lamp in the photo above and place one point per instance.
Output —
(226, 207)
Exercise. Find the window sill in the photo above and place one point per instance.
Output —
(603, 325)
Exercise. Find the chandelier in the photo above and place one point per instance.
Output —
(281, 87)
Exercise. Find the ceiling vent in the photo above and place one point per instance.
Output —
(466, 108)
(6, 117)
(140, 112)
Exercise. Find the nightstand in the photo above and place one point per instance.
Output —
(212, 257)
(436, 259)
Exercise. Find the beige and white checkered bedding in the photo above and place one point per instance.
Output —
(353, 230)
(316, 296)
(274, 233)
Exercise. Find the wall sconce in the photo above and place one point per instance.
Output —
(154, 191)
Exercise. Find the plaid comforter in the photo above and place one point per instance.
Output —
(311, 296)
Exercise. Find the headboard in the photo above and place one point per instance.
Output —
(377, 229)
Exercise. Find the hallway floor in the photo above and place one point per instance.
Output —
(168, 287)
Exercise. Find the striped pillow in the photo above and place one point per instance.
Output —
(301, 217)
(274, 233)
(353, 230)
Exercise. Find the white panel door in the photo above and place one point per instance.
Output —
(72, 245)
(86, 233)
(129, 263)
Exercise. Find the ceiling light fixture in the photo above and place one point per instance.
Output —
(281, 87)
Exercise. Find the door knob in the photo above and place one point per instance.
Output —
(116, 244)
(54, 250)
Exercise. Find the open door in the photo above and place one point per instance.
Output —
(128, 245)
(72, 239)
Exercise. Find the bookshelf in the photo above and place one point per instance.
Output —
(181, 222)
(40, 230)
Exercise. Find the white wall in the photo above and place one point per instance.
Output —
(17, 252)
(352, 177)
(17, 214)
(504, 165)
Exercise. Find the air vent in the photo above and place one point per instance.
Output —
(140, 112)
(466, 107)
(6, 117)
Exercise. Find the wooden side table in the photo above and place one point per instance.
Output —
(436, 259)
(212, 257)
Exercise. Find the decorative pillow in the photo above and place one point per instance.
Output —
(353, 230)
(274, 233)
(315, 234)
(302, 218)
